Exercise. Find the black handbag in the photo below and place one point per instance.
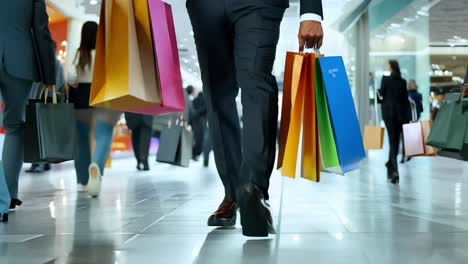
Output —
(175, 146)
(49, 131)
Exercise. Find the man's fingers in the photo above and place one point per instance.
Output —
(319, 45)
(301, 44)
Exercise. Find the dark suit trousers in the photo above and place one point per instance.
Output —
(395, 129)
(236, 44)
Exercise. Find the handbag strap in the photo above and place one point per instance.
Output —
(54, 94)
(414, 113)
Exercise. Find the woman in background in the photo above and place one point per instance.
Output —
(395, 112)
(89, 168)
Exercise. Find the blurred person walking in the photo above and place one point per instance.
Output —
(142, 130)
(89, 167)
(416, 96)
(395, 112)
(26, 55)
(198, 121)
(236, 44)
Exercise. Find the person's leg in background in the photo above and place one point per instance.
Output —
(256, 36)
(144, 142)
(83, 146)
(5, 198)
(214, 41)
(207, 146)
(15, 94)
(403, 151)
(105, 121)
(394, 129)
(136, 131)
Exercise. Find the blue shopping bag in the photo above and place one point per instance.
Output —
(345, 124)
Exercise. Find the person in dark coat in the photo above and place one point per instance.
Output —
(142, 129)
(395, 112)
(198, 121)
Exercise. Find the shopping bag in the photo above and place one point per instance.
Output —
(292, 75)
(126, 73)
(373, 137)
(167, 61)
(299, 144)
(49, 132)
(175, 146)
(426, 129)
(413, 138)
(448, 131)
(343, 117)
(327, 140)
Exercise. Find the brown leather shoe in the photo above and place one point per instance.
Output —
(226, 214)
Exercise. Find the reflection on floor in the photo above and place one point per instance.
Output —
(160, 217)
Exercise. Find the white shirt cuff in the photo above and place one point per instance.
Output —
(311, 17)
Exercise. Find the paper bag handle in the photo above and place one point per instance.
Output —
(45, 92)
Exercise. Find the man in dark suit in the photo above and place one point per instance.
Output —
(236, 44)
(26, 54)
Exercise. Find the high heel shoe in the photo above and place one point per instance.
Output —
(389, 171)
(15, 202)
(395, 179)
(3, 218)
(145, 165)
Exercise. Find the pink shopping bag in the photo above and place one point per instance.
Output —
(167, 61)
(413, 138)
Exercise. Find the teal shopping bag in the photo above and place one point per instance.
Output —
(451, 124)
(343, 117)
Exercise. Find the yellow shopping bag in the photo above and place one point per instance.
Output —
(125, 72)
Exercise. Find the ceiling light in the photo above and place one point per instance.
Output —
(93, 2)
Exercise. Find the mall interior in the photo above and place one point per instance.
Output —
(159, 215)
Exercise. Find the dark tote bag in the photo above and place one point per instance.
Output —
(49, 131)
(80, 96)
(175, 146)
(451, 124)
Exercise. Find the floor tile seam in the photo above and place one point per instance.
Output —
(162, 217)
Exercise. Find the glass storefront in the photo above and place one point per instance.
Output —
(400, 30)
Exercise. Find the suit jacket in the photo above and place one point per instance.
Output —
(395, 102)
(307, 6)
(26, 47)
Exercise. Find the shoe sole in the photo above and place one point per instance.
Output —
(253, 220)
(94, 181)
(222, 222)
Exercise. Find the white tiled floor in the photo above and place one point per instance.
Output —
(160, 217)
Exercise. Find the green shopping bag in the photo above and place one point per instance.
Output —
(449, 129)
(326, 138)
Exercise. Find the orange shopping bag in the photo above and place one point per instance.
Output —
(373, 137)
(299, 120)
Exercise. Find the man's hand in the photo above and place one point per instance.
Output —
(310, 35)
